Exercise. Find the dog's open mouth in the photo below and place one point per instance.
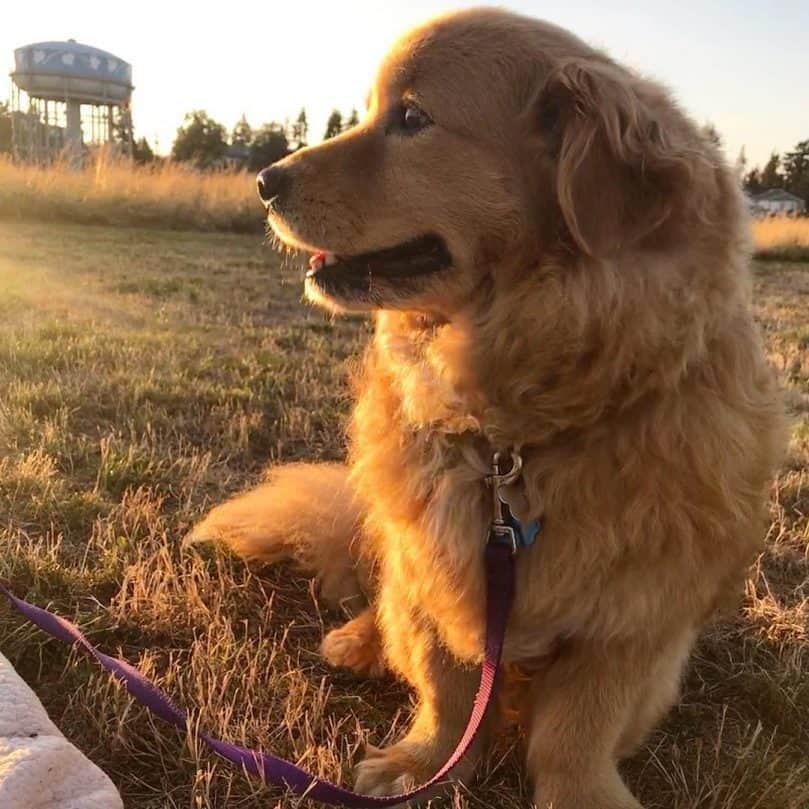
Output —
(403, 262)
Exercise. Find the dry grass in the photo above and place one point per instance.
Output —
(782, 237)
(146, 375)
(111, 191)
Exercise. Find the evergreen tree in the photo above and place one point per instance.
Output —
(741, 164)
(796, 170)
(353, 119)
(334, 126)
(771, 177)
(141, 151)
(752, 182)
(300, 130)
(242, 134)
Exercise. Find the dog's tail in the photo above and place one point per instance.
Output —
(305, 512)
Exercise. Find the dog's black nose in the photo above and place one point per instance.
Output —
(272, 183)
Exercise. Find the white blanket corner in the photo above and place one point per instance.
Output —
(39, 767)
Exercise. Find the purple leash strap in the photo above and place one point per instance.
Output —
(278, 771)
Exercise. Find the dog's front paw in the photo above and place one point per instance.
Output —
(395, 770)
(356, 646)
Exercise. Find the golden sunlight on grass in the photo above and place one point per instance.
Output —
(112, 191)
(147, 375)
(782, 237)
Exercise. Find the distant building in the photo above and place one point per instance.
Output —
(236, 157)
(776, 201)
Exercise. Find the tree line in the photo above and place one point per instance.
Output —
(789, 171)
(205, 143)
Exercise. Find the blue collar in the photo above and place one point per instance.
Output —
(526, 532)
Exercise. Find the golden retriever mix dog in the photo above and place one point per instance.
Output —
(556, 260)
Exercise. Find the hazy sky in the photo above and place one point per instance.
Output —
(740, 64)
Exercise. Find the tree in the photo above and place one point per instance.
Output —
(141, 151)
(300, 130)
(771, 177)
(334, 126)
(796, 170)
(741, 164)
(242, 134)
(200, 140)
(5, 128)
(752, 182)
(121, 131)
(353, 119)
(269, 145)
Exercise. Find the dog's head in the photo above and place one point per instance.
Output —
(491, 142)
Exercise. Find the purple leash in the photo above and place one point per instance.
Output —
(278, 771)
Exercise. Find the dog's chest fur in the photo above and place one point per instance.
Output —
(420, 458)
(616, 549)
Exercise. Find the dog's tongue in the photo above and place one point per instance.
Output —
(320, 259)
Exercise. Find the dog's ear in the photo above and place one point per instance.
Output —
(622, 172)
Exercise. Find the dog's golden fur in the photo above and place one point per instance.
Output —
(596, 316)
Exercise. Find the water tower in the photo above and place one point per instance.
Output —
(67, 97)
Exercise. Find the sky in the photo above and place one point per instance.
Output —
(739, 64)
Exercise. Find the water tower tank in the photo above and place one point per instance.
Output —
(69, 70)
(67, 97)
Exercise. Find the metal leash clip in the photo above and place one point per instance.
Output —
(503, 529)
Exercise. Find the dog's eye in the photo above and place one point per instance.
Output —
(415, 118)
(408, 119)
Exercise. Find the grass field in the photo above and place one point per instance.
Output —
(111, 191)
(146, 374)
(782, 237)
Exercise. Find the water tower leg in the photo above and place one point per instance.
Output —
(73, 134)
(15, 129)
